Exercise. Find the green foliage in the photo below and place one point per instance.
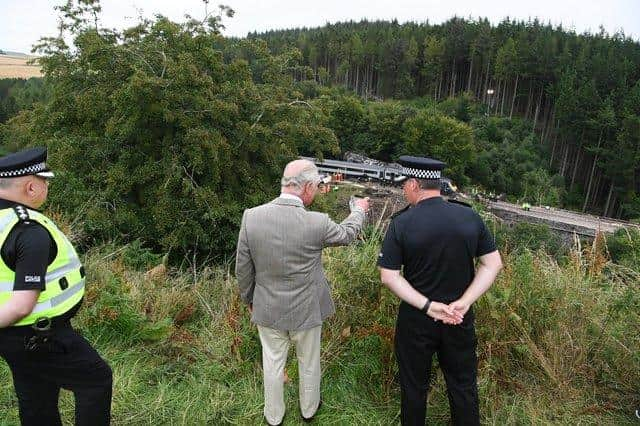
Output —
(553, 340)
(435, 135)
(529, 236)
(507, 152)
(346, 119)
(461, 107)
(538, 187)
(624, 247)
(156, 135)
(573, 199)
(507, 62)
(18, 94)
(497, 153)
(137, 257)
(578, 92)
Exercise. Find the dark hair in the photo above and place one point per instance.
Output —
(425, 184)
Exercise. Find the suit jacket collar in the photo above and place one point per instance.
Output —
(288, 202)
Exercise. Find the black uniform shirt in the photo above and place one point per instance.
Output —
(28, 250)
(436, 241)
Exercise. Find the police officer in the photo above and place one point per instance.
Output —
(41, 288)
(435, 242)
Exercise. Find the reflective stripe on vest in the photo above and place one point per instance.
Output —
(51, 276)
(64, 280)
(6, 220)
(59, 299)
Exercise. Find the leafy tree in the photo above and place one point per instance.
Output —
(538, 187)
(156, 135)
(346, 117)
(438, 136)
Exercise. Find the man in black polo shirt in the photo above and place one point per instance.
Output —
(436, 242)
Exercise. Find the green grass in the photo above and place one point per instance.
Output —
(558, 344)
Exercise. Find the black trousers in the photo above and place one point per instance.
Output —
(418, 338)
(68, 361)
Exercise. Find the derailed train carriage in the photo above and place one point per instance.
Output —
(385, 173)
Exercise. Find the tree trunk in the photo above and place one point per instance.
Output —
(577, 161)
(486, 81)
(564, 161)
(535, 117)
(504, 95)
(555, 140)
(476, 84)
(526, 112)
(575, 168)
(452, 86)
(470, 74)
(593, 169)
(548, 124)
(513, 99)
(606, 206)
(593, 200)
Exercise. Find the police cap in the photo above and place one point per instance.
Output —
(24, 163)
(420, 168)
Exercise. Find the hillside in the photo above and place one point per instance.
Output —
(17, 66)
(580, 93)
(555, 340)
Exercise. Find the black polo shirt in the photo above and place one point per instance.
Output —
(436, 242)
(28, 250)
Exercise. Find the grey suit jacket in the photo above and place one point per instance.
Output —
(279, 265)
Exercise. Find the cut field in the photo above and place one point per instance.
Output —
(18, 67)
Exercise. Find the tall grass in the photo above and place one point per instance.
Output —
(558, 343)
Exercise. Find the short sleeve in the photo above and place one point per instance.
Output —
(486, 243)
(391, 255)
(32, 258)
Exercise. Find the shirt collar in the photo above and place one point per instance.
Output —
(431, 200)
(290, 197)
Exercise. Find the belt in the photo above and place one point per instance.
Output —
(55, 323)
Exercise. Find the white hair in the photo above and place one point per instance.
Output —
(308, 174)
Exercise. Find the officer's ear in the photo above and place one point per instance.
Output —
(29, 187)
(32, 186)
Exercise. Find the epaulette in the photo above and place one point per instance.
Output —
(22, 213)
(399, 212)
(462, 203)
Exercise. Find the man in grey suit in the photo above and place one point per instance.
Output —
(279, 271)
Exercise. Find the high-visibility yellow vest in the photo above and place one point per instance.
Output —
(64, 282)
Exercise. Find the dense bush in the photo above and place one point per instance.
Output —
(528, 236)
(162, 133)
(510, 160)
(624, 247)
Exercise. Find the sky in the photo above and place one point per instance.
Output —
(23, 22)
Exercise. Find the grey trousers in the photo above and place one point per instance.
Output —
(275, 347)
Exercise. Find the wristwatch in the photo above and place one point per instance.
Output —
(425, 308)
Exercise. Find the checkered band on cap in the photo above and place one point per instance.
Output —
(422, 174)
(35, 168)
